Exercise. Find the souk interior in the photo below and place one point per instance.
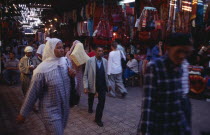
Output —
(139, 24)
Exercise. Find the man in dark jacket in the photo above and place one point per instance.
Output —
(166, 107)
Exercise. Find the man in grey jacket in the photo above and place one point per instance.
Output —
(96, 83)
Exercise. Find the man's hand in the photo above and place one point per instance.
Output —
(20, 119)
(31, 68)
(72, 72)
(86, 91)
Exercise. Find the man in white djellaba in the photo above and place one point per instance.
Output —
(51, 85)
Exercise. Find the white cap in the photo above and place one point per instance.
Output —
(28, 49)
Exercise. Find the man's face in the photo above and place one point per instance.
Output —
(160, 43)
(35, 46)
(99, 52)
(178, 53)
(59, 51)
(129, 57)
(11, 56)
(29, 54)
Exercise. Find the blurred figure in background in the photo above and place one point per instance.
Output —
(92, 52)
(115, 71)
(157, 50)
(67, 48)
(78, 58)
(119, 46)
(132, 67)
(26, 66)
(11, 72)
(41, 49)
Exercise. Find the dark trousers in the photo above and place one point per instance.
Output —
(101, 103)
(11, 75)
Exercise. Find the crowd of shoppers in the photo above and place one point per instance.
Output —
(52, 73)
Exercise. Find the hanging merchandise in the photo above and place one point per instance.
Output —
(199, 15)
(90, 9)
(180, 14)
(90, 26)
(148, 24)
(194, 9)
(103, 33)
(147, 19)
(172, 15)
(117, 16)
(157, 22)
(82, 28)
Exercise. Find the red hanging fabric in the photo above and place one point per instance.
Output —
(103, 33)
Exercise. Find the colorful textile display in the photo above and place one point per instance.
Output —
(148, 24)
(194, 9)
(199, 15)
(103, 33)
(103, 29)
(149, 20)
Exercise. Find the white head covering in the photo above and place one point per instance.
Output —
(28, 49)
(49, 60)
(49, 49)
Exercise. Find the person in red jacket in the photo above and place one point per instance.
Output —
(92, 52)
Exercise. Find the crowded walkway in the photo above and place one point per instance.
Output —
(105, 67)
(121, 117)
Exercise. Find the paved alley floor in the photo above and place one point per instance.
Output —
(121, 116)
